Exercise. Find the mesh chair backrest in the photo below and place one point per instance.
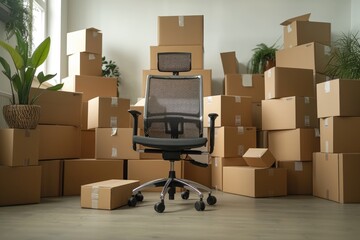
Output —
(173, 107)
(174, 62)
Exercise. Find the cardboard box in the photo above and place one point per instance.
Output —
(85, 40)
(19, 147)
(91, 86)
(59, 142)
(180, 30)
(217, 164)
(338, 97)
(197, 54)
(233, 141)
(108, 112)
(20, 185)
(87, 144)
(229, 63)
(340, 134)
(284, 82)
(289, 113)
(294, 145)
(83, 63)
(84, 115)
(109, 194)
(255, 182)
(299, 177)
(201, 175)
(58, 107)
(336, 177)
(151, 169)
(299, 30)
(232, 110)
(251, 85)
(314, 56)
(259, 157)
(78, 172)
(262, 140)
(51, 178)
(141, 117)
(256, 115)
(205, 73)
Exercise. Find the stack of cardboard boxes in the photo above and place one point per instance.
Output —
(337, 165)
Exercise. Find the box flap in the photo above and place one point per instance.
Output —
(304, 17)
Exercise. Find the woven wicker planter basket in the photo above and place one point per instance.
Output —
(22, 116)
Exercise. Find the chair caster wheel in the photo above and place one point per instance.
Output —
(139, 197)
(211, 200)
(185, 195)
(132, 201)
(199, 205)
(159, 207)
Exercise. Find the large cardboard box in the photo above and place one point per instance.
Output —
(197, 54)
(78, 172)
(299, 30)
(289, 113)
(139, 108)
(84, 115)
(87, 144)
(197, 174)
(108, 112)
(295, 144)
(152, 169)
(251, 85)
(20, 185)
(205, 73)
(255, 182)
(51, 178)
(19, 147)
(299, 177)
(85, 40)
(109, 194)
(336, 177)
(83, 63)
(59, 142)
(232, 110)
(217, 164)
(256, 115)
(314, 56)
(233, 141)
(58, 107)
(340, 134)
(180, 30)
(284, 82)
(338, 97)
(91, 86)
(259, 157)
(229, 62)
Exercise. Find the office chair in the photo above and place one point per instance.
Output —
(173, 126)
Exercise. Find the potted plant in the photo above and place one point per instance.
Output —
(263, 58)
(22, 113)
(110, 69)
(345, 57)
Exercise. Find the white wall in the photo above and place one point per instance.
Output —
(130, 27)
(4, 82)
(355, 16)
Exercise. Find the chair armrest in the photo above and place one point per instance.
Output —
(212, 117)
(135, 114)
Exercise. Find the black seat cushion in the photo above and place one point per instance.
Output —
(170, 144)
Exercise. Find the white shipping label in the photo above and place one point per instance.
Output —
(298, 166)
(181, 21)
(114, 101)
(327, 87)
(238, 120)
(113, 122)
(247, 80)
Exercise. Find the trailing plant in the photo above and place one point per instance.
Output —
(262, 55)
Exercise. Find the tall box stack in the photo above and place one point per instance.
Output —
(337, 164)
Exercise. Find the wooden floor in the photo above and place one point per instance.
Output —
(233, 217)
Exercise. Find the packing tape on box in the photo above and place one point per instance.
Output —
(209, 99)
(114, 101)
(326, 122)
(269, 73)
(327, 50)
(247, 80)
(306, 100)
(181, 21)
(238, 120)
(113, 122)
(307, 120)
(241, 150)
(113, 131)
(317, 132)
(269, 96)
(92, 56)
(289, 28)
(326, 146)
(216, 160)
(94, 34)
(298, 166)
(238, 99)
(240, 130)
(327, 87)
(94, 196)
(114, 152)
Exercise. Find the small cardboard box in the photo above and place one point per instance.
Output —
(255, 182)
(289, 113)
(232, 110)
(295, 144)
(233, 141)
(259, 157)
(197, 54)
(180, 30)
(85, 40)
(338, 97)
(284, 82)
(217, 164)
(299, 30)
(314, 56)
(19, 147)
(109, 194)
(251, 85)
(20, 185)
(84, 63)
(51, 178)
(336, 177)
(108, 112)
(340, 134)
(229, 62)
(299, 177)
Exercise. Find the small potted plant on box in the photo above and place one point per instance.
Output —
(22, 112)
(263, 58)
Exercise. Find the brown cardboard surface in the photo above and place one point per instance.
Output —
(217, 164)
(87, 144)
(229, 62)
(256, 115)
(51, 178)
(197, 174)
(251, 85)
(83, 63)
(259, 157)
(84, 40)
(299, 177)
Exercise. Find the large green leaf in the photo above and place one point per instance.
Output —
(43, 78)
(16, 57)
(6, 66)
(40, 54)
